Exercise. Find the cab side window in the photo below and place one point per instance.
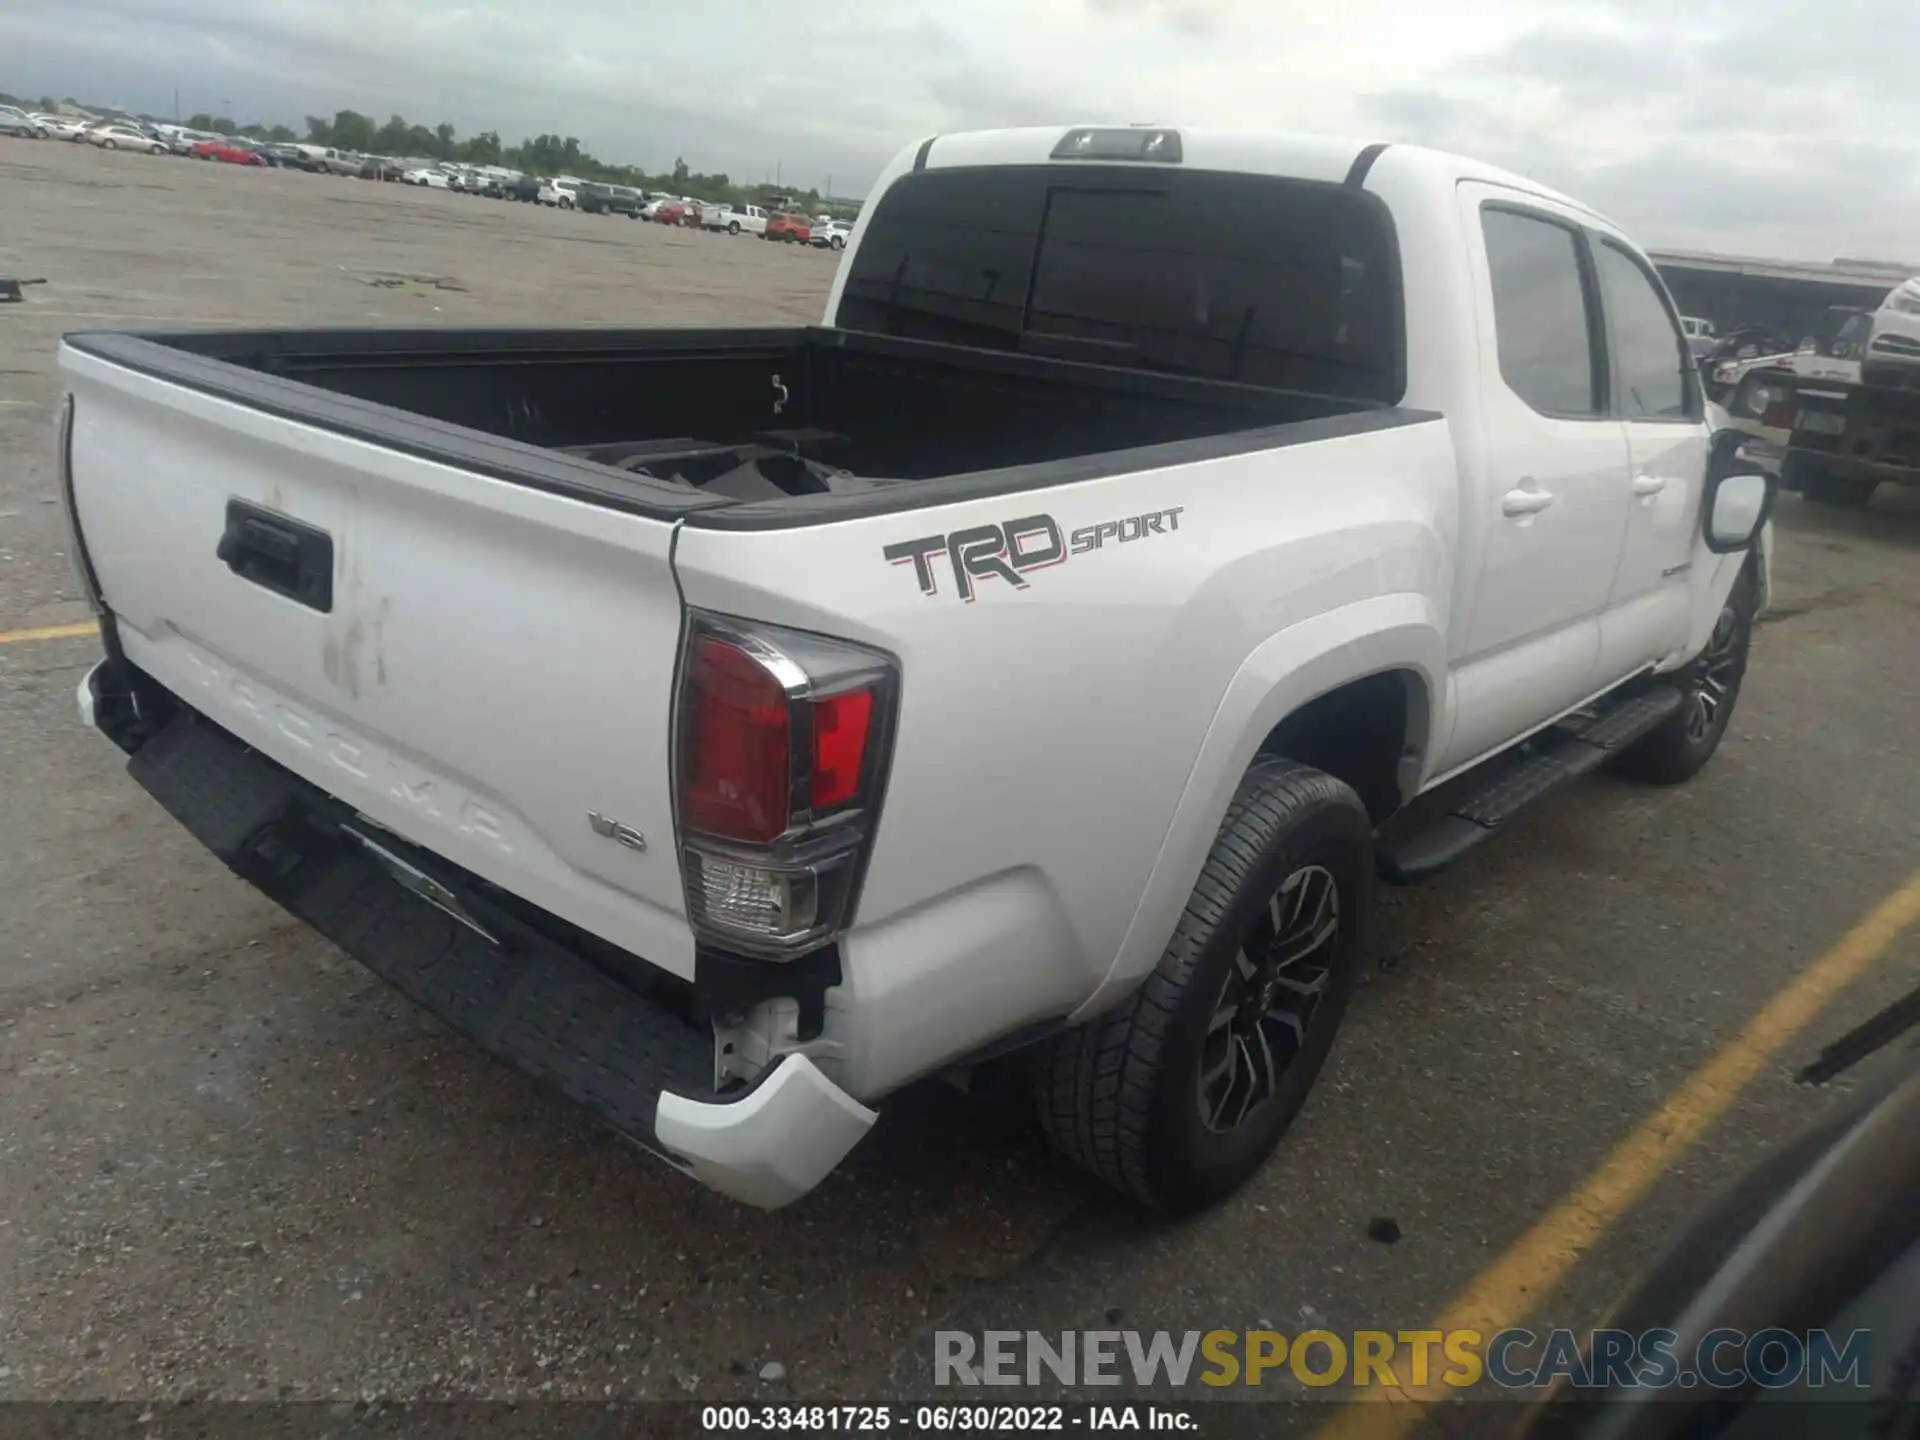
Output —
(1650, 355)
(1542, 319)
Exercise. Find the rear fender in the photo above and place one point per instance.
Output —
(1385, 633)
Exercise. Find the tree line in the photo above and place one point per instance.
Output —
(399, 138)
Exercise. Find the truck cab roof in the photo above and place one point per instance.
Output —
(1296, 155)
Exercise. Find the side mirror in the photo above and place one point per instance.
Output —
(1735, 507)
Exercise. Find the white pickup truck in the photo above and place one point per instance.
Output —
(1043, 653)
(734, 219)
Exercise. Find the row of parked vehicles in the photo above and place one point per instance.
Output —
(1842, 418)
(154, 138)
(790, 226)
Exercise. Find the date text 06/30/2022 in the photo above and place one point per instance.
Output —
(945, 1419)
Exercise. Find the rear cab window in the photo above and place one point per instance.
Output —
(1264, 280)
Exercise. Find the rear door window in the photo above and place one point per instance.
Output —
(1269, 281)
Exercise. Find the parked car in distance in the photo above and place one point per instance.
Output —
(735, 219)
(62, 127)
(432, 177)
(334, 162)
(19, 124)
(379, 167)
(125, 137)
(790, 228)
(555, 193)
(679, 212)
(830, 234)
(1700, 335)
(228, 152)
(597, 199)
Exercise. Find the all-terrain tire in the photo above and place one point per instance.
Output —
(1122, 1095)
(1676, 750)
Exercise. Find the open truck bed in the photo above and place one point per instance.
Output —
(678, 423)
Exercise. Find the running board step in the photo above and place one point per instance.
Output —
(1481, 812)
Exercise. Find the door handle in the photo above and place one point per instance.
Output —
(1527, 499)
(1644, 485)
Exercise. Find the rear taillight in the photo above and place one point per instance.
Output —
(735, 785)
(782, 750)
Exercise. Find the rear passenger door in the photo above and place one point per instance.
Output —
(1546, 511)
(1656, 394)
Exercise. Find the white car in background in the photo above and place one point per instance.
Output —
(61, 127)
(829, 234)
(562, 194)
(1895, 335)
(125, 137)
(432, 179)
(734, 219)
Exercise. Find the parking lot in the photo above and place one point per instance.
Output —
(236, 1165)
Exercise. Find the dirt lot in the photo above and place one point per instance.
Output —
(232, 1163)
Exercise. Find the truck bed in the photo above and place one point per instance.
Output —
(676, 422)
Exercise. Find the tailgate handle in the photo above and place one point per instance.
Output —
(278, 553)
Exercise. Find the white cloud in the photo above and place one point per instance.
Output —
(1721, 125)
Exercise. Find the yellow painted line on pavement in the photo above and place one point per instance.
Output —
(1514, 1286)
(48, 632)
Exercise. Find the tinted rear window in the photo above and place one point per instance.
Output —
(1269, 281)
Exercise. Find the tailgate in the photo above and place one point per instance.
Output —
(493, 663)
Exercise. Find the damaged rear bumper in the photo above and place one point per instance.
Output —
(625, 1048)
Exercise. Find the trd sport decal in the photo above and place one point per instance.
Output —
(1014, 550)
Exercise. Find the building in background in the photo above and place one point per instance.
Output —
(1792, 298)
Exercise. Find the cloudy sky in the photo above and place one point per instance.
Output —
(1765, 127)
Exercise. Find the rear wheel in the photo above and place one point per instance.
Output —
(1179, 1095)
(108, 145)
(733, 227)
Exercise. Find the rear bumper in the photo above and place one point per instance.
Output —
(623, 1047)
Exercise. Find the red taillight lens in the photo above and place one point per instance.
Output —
(735, 784)
(840, 726)
(785, 738)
